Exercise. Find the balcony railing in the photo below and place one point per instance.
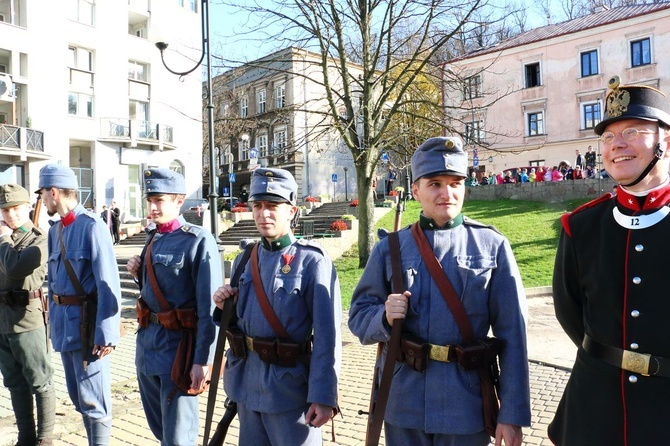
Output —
(21, 138)
(130, 130)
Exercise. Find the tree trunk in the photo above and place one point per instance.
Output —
(366, 207)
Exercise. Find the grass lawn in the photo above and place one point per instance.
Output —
(532, 227)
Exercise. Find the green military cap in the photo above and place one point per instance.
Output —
(13, 195)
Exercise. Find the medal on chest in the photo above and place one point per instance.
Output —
(288, 258)
(640, 221)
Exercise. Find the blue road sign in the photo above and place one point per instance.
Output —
(231, 177)
(475, 161)
(334, 178)
(385, 157)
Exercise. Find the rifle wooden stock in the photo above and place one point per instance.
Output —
(382, 386)
(36, 213)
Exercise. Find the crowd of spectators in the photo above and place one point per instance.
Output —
(564, 171)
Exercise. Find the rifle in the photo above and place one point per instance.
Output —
(382, 386)
(36, 213)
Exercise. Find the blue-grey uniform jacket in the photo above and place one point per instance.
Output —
(480, 265)
(188, 270)
(89, 249)
(306, 300)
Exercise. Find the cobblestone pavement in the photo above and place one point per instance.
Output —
(130, 428)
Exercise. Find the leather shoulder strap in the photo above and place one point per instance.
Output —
(442, 281)
(68, 266)
(263, 301)
(160, 298)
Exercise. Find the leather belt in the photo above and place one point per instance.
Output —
(249, 341)
(11, 297)
(642, 363)
(153, 318)
(70, 300)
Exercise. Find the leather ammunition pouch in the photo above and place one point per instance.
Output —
(479, 354)
(183, 361)
(143, 312)
(414, 353)
(176, 319)
(237, 342)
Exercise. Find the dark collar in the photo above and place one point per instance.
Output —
(279, 244)
(654, 199)
(429, 223)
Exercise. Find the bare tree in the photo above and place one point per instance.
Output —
(384, 53)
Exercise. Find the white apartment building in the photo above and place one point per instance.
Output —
(535, 99)
(87, 89)
(273, 112)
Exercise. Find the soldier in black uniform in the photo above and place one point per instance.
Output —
(24, 358)
(610, 286)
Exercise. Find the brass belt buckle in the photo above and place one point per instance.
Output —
(635, 362)
(439, 352)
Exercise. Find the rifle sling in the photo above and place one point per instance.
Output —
(442, 281)
(376, 416)
(224, 322)
(263, 301)
(68, 266)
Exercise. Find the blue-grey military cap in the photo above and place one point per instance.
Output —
(440, 156)
(58, 176)
(159, 180)
(276, 185)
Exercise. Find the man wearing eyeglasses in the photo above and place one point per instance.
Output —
(610, 283)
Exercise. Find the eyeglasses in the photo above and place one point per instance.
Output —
(628, 134)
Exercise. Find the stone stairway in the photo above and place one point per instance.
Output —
(320, 220)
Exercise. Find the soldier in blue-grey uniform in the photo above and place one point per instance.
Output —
(24, 355)
(84, 316)
(280, 401)
(187, 268)
(442, 405)
(610, 285)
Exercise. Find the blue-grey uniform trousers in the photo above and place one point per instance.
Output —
(91, 393)
(397, 436)
(277, 429)
(173, 422)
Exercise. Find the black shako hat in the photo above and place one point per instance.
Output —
(633, 102)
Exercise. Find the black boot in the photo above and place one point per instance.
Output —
(22, 403)
(46, 414)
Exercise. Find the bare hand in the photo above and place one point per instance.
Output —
(509, 434)
(102, 350)
(199, 376)
(223, 293)
(318, 414)
(133, 265)
(396, 306)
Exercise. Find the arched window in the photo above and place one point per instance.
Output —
(177, 166)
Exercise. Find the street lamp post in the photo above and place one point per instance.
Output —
(346, 186)
(210, 109)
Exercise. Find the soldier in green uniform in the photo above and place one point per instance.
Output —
(24, 357)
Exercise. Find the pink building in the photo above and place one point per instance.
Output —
(534, 99)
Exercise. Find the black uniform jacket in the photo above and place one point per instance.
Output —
(612, 283)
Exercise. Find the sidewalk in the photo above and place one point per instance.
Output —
(547, 347)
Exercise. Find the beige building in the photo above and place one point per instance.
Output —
(273, 112)
(85, 87)
(534, 99)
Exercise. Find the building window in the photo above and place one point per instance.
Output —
(138, 71)
(279, 141)
(589, 63)
(280, 96)
(472, 87)
(177, 166)
(474, 132)
(590, 115)
(81, 59)
(535, 124)
(262, 144)
(243, 149)
(532, 72)
(640, 52)
(82, 11)
(79, 104)
(261, 100)
(244, 107)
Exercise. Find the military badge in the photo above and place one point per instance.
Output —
(288, 258)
